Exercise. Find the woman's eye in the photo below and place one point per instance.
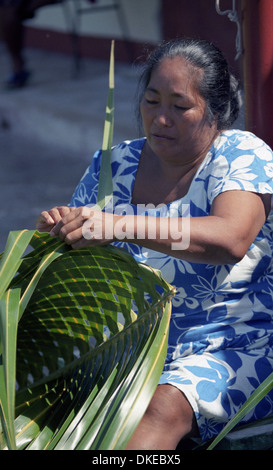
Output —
(180, 108)
(151, 101)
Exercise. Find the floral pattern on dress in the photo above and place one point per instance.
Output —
(221, 329)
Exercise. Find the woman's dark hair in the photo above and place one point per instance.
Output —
(217, 86)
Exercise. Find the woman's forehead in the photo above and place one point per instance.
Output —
(177, 74)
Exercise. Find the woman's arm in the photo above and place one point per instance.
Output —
(223, 237)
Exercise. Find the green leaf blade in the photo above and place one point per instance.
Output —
(105, 189)
(10, 261)
(9, 315)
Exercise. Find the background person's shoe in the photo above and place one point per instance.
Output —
(17, 80)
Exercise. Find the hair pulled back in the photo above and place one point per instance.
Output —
(217, 86)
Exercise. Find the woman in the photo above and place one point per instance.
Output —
(221, 329)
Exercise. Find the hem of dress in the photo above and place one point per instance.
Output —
(192, 401)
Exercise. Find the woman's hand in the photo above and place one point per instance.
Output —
(85, 226)
(48, 219)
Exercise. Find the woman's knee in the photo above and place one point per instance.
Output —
(168, 419)
(170, 409)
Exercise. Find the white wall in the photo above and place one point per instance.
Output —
(142, 17)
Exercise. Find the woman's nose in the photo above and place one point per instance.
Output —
(163, 118)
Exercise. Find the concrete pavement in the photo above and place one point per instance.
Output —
(61, 110)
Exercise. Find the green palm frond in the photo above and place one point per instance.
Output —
(105, 188)
(90, 346)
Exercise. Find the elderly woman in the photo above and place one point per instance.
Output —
(210, 188)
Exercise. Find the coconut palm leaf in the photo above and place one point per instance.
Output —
(9, 314)
(91, 343)
(9, 306)
(105, 189)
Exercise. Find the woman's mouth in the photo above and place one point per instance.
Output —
(162, 137)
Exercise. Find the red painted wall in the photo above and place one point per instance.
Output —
(258, 66)
(199, 19)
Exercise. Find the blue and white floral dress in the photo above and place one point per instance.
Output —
(221, 331)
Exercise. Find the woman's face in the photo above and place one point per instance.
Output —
(174, 113)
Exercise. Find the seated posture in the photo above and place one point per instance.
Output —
(209, 187)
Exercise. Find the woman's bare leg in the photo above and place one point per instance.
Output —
(168, 419)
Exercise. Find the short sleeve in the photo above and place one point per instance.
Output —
(242, 161)
(87, 189)
(124, 163)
